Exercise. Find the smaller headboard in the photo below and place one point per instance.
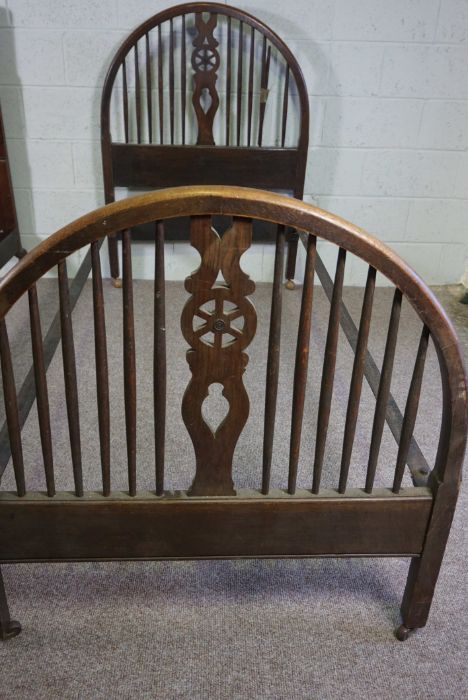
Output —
(196, 76)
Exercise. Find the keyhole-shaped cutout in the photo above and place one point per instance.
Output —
(205, 99)
(215, 407)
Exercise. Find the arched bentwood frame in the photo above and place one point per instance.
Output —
(201, 523)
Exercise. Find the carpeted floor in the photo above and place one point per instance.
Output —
(242, 629)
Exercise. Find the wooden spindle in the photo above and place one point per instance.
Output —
(42, 396)
(149, 100)
(102, 373)
(384, 391)
(129, 359)
(69, 370)
(125, 100)
(228, 82)
(239, 80)
(171, 79)
(285, 107)
(11, 410)
(183, 78)
(137, 95)
(264, 90)
(160, 87)
(273, 360)
(251, 75)
(356, 379)
(159, 358)
(302, 363)
(328, 372)
(411, 410)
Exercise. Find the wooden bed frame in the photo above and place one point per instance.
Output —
(211, 520)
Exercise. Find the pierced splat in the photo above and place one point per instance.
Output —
(205, 63)
(218, 322)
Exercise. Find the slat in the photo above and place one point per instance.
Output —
(384, 390)
(328, 372)
(264, 93)
(357, 379)
(302, 362)
(251, 74)
(171, 78)
(159, 367)
(160, 87)
(239, 80)
(228, 81)
(129, 359)
(69, 370)
(285, 107)
(11, 409)
(149, 101)
(183, 78)
(273, 360)
(125, 100)
(102, 373)
(411, 409)
(137, 95)
(42, 396)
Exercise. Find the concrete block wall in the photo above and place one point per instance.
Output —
(389, 105)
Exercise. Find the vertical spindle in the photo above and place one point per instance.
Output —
(411, 410)
(328, 371)
(251, 75)
(149, 89)
(129, 359)
(11, 409)
(302, 363)
(137, 95)
(159, 367)
(160, 87)
(102, 373)
(383, 392)
(264, 89)
(69, 370)
(125, 100)
(183, 78)
(285, 107)
(228, 82)
(273, 360)
(239, 80)
(356, 379)
(171, 79)
(42, 397)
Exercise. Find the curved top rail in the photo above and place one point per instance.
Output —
(293, 213)
(212, 7)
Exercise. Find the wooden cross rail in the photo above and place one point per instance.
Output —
(417, 463)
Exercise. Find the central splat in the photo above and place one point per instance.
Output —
(218, 322)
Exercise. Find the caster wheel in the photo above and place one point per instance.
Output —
(116, 282)
(14, 628)
(402, 633)
(290, 284)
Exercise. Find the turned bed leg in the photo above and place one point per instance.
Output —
(291, 261)
(8, 628)
(114, 261)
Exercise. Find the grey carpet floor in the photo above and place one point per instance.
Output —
(243, 629)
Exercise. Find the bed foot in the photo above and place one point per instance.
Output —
(290, 284)
(116, 282)
(8, 628)
(402, 633)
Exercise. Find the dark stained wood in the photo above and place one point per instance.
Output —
(228, 81)
(159, 363)
(251, 79)
(411, 410)
(240, 67)
(216, 349)
(152, 528)
(140, 166)
(328, 372)
(11, 409)
(273, 361)
(129, 360)
(264, 92)
(356, 379)
(149, 89)
(384, 390)
(302, 363)
(137, 94)
(205, 64)
(102, 372)
(160, 87)
(183, 79)
(69, 372)
(8, 628)
(285, 107)
(125, 101)
(171, 78)
(42, 396)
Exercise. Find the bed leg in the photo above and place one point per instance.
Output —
(424, 570)
(291, 262)
(8, 628)
(114, 261)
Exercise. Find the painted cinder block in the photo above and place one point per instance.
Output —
(63, 13)
(380, 20)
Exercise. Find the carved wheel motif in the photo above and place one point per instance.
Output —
(205, 59)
